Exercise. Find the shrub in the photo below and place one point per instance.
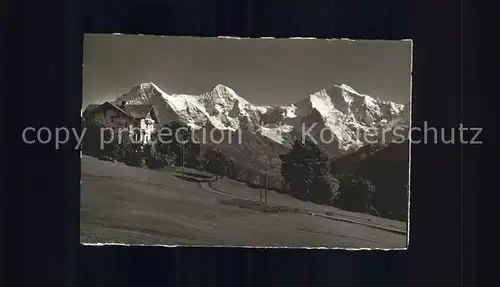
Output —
(217, 162)
(326, 188)
(137, 157)
(355, 193)
(156, 159)
(201, 162)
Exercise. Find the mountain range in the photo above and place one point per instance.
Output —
(345, 117)
(346, 114)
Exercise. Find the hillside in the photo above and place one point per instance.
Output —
(128, 205)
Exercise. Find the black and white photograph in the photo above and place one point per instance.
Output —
(239, 142)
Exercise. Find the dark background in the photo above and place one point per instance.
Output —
(44, 81)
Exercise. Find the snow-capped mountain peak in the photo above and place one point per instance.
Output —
(222, 94)
(223, 89)
(142, 93)
(348, 89)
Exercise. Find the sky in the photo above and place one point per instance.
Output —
(263, 71)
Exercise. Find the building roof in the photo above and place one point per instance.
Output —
(90, 108)
(133, 111)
